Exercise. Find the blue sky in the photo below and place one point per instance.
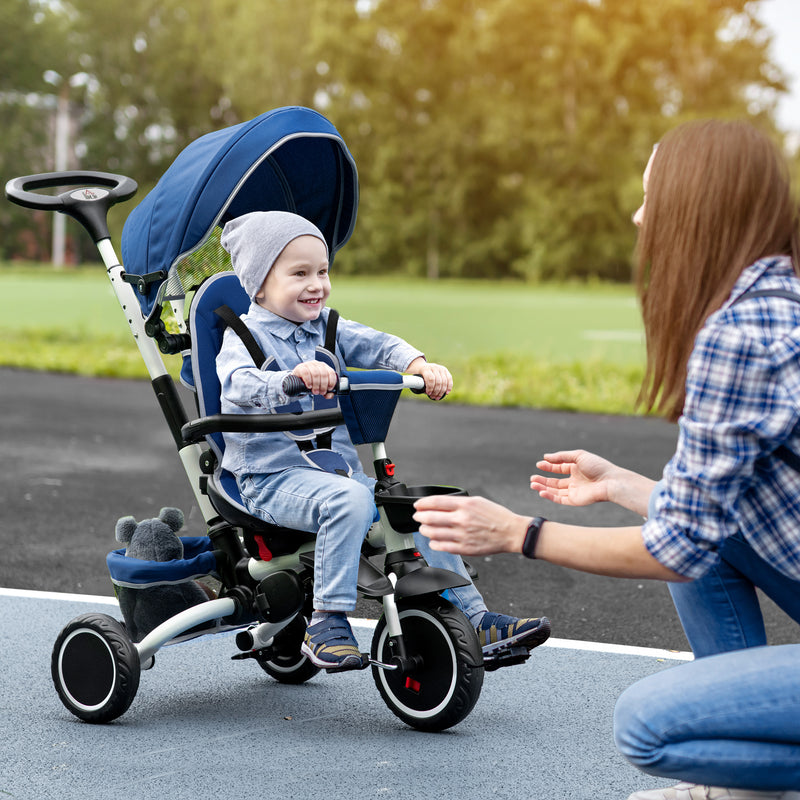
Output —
(782, 17)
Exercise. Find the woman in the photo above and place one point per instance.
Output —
(718, 221)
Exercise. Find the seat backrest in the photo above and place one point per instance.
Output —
(207, 330)
(367, 410)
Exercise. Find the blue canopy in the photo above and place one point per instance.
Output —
(288, 159)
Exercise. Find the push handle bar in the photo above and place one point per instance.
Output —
(88, 201)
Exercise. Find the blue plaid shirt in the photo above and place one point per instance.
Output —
(742, 402)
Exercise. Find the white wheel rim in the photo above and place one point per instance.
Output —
(415, 712)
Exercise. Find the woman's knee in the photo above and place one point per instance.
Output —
(634, 734)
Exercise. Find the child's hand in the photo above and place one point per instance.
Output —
(438, 380)
(319, 378)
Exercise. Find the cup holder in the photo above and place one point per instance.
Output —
(399, 501)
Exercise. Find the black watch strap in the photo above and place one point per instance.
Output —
(532, 537)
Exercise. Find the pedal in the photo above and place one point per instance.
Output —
(261, 653)
(365, 662)
(383, 665)
(506, 658)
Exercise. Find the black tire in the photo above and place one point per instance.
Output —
(444, 690)
(95, 668)
(285, 662)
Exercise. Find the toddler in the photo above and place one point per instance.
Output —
(281, 260)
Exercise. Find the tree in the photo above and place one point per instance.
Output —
(494, 138)
(30, 54)
(507, 139)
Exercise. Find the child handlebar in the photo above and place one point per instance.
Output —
(293, 385)
(194, 431)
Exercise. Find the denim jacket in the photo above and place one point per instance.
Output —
(246, 389)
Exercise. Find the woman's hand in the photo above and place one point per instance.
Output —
(318, 377)
(438, 380)
(587, 478)
(591, 479)
(473, 526)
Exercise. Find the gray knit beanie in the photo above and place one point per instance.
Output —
(256, 240)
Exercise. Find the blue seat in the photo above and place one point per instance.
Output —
(207, 329)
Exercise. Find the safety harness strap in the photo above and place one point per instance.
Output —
(330, 331)
(233, 320)
(324, 440)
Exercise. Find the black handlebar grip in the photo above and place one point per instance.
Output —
(293, 386)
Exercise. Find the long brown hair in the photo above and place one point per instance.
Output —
(718, 199)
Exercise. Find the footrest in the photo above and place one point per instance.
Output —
(365, 662)
(506, 658)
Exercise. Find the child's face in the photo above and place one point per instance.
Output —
(298, 285)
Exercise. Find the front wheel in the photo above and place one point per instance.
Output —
(95, 668)
(444, 688)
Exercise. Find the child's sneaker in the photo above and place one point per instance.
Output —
(498, 632)
(330, 644)
(692, 791)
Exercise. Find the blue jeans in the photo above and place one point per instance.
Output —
(731, 719)
(721, 612)
(341, 511)
(466, 598)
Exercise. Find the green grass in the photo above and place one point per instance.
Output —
(565, 347)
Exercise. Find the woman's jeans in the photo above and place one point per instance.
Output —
(721, 612)
(727, 720)
(731, 717)
(341, 511)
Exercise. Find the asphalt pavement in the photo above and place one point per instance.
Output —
(203, 726)
(78, 453)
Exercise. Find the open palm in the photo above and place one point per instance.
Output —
(586, 480)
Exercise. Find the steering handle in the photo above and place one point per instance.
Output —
(294, 386)
(90, 196)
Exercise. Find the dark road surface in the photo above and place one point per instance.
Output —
(78, 453)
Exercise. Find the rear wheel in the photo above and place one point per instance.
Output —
(95, 668)
(444, 688)
(284, 661)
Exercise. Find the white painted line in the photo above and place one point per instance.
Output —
(620, 649)
(63, 596)
(566, 644)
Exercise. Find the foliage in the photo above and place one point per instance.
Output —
(76, 352)
(596, 387)
(526, 381)
(30, 36)
(515, 358)
(507, 139)
(494, 139)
